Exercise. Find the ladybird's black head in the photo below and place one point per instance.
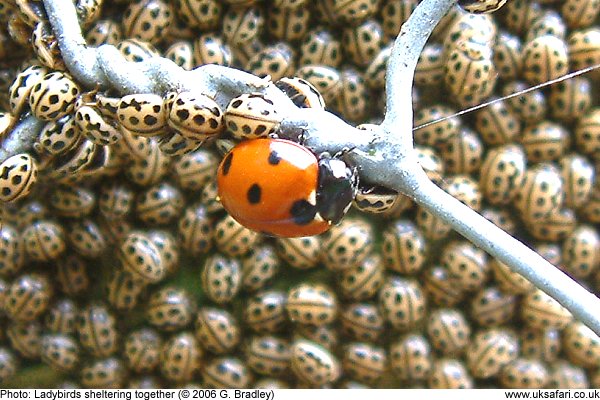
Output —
(336, 189)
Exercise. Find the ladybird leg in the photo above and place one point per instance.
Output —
(208, 141)
(211, 95)
(267, 80)
(94, 91)
(343, 152)
(86, 98)
(302, 137)
(325, 156)
(79, 101)
(355, 180)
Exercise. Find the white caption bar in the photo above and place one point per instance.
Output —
(295, 394)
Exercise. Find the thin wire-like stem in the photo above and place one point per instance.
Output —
(485, 104)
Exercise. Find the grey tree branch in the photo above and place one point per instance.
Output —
(520, 258)
(383, 155)
(81, 60)
(21, 138)
(403, 62)
(398, 124)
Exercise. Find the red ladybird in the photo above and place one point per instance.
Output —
(281, 188)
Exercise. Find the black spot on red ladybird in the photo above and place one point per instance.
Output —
(227, 163)
(274, 158)
(254, 194)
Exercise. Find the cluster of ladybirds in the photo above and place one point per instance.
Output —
(318, 191)
(368, 302)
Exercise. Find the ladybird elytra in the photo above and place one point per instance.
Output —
(147, 20)
(44, 240)
(563, 374)
(217, 330)
(326, 79)
(481, 6)
(531, 107)
(234, 239)
(301, 252)
(195, 116)
(25, 338)
(86, 238)
(241, 25)
(540, 311)
(9, 252)
(227, 372)
(27, 297)
(251, 116)
(170, 309)
(313, 364)
(524, 373)
(364, 362)
(142, 114)
(104, 31)
(448, 331)
(302, 93)
(89, 121)
(294, 195)
(266, 311)
(259, 267)
(60, 317)
(23, 84)
(364, 280)
(320, 47)
(53, 96)
(211, 49)
(490, 307)
(580, 14)
(262, 202)
(97, 330)
(581, 345)
(268, 355)
(202, 14)
(99, 373)
(395, 13)
(142, 350)
(362, 322)
(181, 357)
(71, 275)
(18, 174)
(123, 290)
(490, 350)
(448, 373)
(59, 351)
(411, 357)
(275, 61)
